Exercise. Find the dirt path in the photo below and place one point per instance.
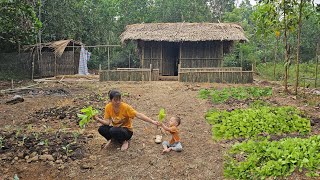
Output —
(201, 158)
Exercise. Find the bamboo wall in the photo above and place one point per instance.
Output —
(211, 69)
(238, 77)
(50, 65)
(130, 74)
(201, 54)
(151, 54)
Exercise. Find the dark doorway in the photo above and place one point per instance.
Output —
(170, 55)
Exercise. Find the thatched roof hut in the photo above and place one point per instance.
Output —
(189, 45)
(57, 58)
(182, 32)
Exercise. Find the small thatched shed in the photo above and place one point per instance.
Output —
(192, 45)
(56, 58)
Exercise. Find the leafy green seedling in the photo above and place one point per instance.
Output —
(1, 142)
(162, 115)
(67, 149)
(87, 117)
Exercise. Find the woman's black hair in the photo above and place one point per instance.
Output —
(114, 94)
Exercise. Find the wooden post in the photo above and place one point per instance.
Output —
(129, 60)
(241, 63)
(40, 48)
(142, 56)
(32, 65)
(108, 58)
(55, 65)
(74, 66)
(317, 62)
(150, 78)
(222, 55)
(180, 55)
(179, 67)
(161, 60)
(11, 83)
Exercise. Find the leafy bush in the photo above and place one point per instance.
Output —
(259, 160)
(254, 121)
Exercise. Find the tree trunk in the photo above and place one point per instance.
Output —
(298, 48)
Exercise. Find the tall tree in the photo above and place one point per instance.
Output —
(18, 24)
(220, 7)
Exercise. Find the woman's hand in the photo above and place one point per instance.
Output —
(157, 123)
(96, 117)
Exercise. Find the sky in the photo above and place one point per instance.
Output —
(253, 2)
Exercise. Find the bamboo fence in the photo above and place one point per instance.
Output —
(130, 74)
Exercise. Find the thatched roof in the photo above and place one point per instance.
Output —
(179, 32)
(58, 47)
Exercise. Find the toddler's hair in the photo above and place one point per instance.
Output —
(114, 94)
(178, 120)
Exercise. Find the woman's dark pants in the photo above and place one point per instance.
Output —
(119, 134)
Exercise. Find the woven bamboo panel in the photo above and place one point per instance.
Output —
(237, 77)
(211, 69)
(130, 75)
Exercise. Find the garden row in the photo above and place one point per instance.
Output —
(259, 155)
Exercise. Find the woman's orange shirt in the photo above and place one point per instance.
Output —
(175, 134)
(123, 118)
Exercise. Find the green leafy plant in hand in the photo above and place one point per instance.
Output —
(87, 117)
(162, 115)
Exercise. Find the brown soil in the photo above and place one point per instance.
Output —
(46, 124)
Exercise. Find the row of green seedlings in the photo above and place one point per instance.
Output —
(256, 159)
(45, 142)
(239, 93)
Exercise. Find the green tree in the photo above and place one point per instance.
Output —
(18, 24)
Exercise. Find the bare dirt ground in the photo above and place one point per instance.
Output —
(42, 139)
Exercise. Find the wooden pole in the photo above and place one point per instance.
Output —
(40, 48)
(275, 59)
(55, 65)
(142, 57)
(241, 63)
(161, 60)
(150, 77)
(129, 60)
(108, 58)
(32, 66)
(74, 65)
(317, 58)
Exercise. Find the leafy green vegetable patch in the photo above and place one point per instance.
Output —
(247, 123)
(259, 160)
(239, 93)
